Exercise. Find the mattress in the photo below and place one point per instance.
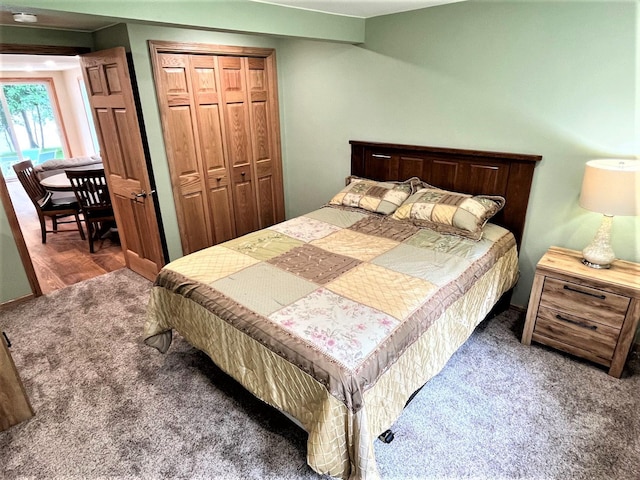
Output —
(335, 317)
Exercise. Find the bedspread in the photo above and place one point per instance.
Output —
(334, 317)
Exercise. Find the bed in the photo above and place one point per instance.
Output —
(338, 316)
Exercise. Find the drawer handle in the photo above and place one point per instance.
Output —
(7, 340)
(579, 324)
(379, 155)
(601, 297)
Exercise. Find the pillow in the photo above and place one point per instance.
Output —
(450, 212)
(373, 196)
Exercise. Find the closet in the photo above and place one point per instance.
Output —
(219, 113)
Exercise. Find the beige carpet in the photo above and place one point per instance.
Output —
(109, 407)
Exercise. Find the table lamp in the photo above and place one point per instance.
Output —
(610, 187)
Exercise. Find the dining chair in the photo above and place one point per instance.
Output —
(92, 193)
(57, 209)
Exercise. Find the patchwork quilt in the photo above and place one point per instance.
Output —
(310, 314)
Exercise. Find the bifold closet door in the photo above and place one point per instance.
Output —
(238, 142)
(253, 155)
(193, 132)
(219, 110)
(266, 153)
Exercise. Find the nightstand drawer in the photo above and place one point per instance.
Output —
(579, 332)
(597, 305)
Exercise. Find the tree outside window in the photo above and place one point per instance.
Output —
(28, 124)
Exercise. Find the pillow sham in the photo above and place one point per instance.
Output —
(450, 212)
(373, 196)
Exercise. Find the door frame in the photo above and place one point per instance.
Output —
(16, 231)
(150, 255)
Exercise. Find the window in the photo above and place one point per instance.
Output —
(30, 123)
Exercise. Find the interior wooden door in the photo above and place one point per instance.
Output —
(114, 112)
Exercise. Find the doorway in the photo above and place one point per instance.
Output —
(64, 259)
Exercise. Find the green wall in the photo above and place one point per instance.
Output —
(559, 79)
(13, 278)
(555, 79)
(42, 36)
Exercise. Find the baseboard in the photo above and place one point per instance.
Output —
(16, 301)
(517, 308)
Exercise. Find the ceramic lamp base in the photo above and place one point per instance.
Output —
(599, 253)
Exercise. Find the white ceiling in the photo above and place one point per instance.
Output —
(360, 8)
(39, 63)
(91, 23)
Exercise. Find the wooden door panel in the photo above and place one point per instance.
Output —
(138, 228)
(144, 228)
(260, 131)
(244, 208)
(237, 135)
(218, 181)
(195, 207)
(210, 124)
(194, 212)
(266, 200)
(220, 204)
(203, 77)
(232, 79)
(183, 146)
(113, 107)
(212, 146)
(238, 142)
(174, 76)
(105, 128)
(112, 78)
(175, 89)
(130, 160)
(270, 209)
(93, 80)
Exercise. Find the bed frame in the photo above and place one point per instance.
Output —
(341, 443)
(466, 171)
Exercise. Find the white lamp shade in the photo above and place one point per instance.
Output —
(611, 187)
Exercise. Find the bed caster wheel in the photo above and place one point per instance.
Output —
(386, 436)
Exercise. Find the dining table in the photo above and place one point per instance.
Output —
(57, 183)
(60, 182)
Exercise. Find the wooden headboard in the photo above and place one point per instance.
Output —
(467, 171)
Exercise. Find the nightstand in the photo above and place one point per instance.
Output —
(14, 403)
(589, 313)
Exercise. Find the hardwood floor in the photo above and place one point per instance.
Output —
(65, 258)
